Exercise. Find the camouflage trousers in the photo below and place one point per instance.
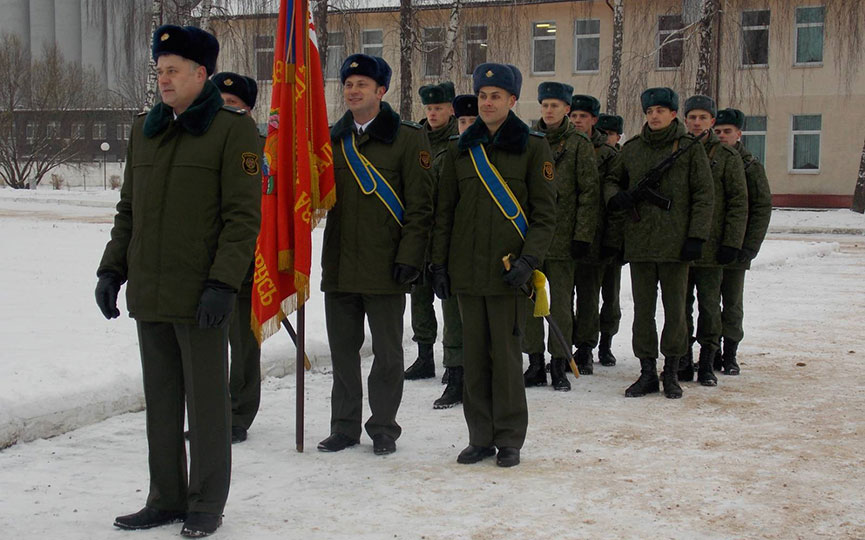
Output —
(245, 371)
(707, 282)
(732, 295)
(593, 281)
(424, 324)
(560, 276)
(673, 278)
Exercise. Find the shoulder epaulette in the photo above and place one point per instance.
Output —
(583, 135)
(454, 137)
(750, 161)
(440, 152)
(729, 149)
(411, 124)
(235, 110)
(536, 133)
(143, 113)
(629, 141)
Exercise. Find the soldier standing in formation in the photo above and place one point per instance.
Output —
(578, 194)
(496, 200)
(245, 372)
(613, 125)
(375, 242)
(183, 237)
(722, 246)
(439, 125)
(660, 246)
(728, 127)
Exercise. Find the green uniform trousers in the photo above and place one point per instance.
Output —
(611, 309)
(344, 314)
(423, 316)
(185, 368)
(245, 373)
(494, 394)
(560, 276)
(732, 293)
(707, 282)
(673, 277)
(452, 340)
(587, 323)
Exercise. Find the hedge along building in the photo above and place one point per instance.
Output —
(793, 66)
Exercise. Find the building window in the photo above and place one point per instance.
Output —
(755, 38)
(805, 142)
(77, 130)
(100, 131)
(587, 45)
(754, 136)
(476, 47)
(809, 35)
(434, 42)
(373, 42)
(335, 54)
(670, 41)
(544, 47)
(30, 130)
(52, 130)
(123, 131)
(263, 58)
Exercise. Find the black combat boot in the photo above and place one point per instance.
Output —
(584, 360)
(423, 367)
(453, 394)
(686, 363)
(445, 377)
(731, 367)
(535, 375)
(605, 352)
(705, 373)
(559, 374)
(648, 381)
(670, 376)
(717, 361)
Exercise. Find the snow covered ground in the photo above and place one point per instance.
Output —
(774, 453)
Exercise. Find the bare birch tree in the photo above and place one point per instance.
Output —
(450, 46)
(708, 56)
(406, 41)
(155, 22)
(616, 58)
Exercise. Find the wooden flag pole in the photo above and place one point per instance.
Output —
(301, 373)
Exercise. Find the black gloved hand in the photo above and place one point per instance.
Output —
(106, 294)
(692, 249)
(621, 201)
(610, 252)
(726, 254)
(521, 271)
(440, 281)
(746, 254)
(405, 274)
(216, 305)
(579, 249)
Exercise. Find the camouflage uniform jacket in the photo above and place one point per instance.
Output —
(609, 232)
(759, 204)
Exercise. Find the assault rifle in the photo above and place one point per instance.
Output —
(647, 188)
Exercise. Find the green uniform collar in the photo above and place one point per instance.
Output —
(513, 136)
(675, 130)
(557, 133)
(384, 126)
(598, 138)
(441, 134)
(196, 119)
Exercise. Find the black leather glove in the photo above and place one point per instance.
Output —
(440, 281)
(579, 249)
(692, 249)
(106, 294)
(621, 201)
(405, 274)
(216, 305)
(726, 254)
(521, 271)
(746, 254)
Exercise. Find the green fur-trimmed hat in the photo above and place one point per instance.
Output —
(442, 92)
(663, 96)
(373, 67)
(465, 105)
(590, 104)
(734, 117)
(555, 90)
(701, 102)
(611, 122)
(187, 41)
(245, 88)
(504, 76)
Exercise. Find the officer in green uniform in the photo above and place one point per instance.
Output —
(613, 125)
(661, 244)
(578, 192)
(244, 379)
(439, 125)
(593, 264)
(729, 129)
(183, 236)
(722, 247)
(496, 199)
(375, 242)
(466, 111)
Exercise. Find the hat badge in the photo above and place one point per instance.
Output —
(489, 73)
(227, 82)
(353, 64)
(164, 37)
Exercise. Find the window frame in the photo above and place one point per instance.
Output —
(659, 41)
(52, 129)
(791, 147)
(535, 39)
(258, 49)
(757, 133)
(330, 51)
(797, 26)
(767, 28)
(103, 130)
(482, 44)
(577, 38)
(124, 130)
(364, 46)
(78, 131)
(432, 45)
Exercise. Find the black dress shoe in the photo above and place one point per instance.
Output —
(383, 444)
(473, 454)
(148, 517)
(508, 457)
(336, 442)
(238, 434)
(200, 524)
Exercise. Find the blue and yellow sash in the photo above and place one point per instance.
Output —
(499, 190)
(370, 180)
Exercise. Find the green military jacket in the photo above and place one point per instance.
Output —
(190, 207)
(660, 234)
(471, 235)
(759, 204)
(577, 188)
(362, 240)
(609, 231)
(438, 139)
(731, 200)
